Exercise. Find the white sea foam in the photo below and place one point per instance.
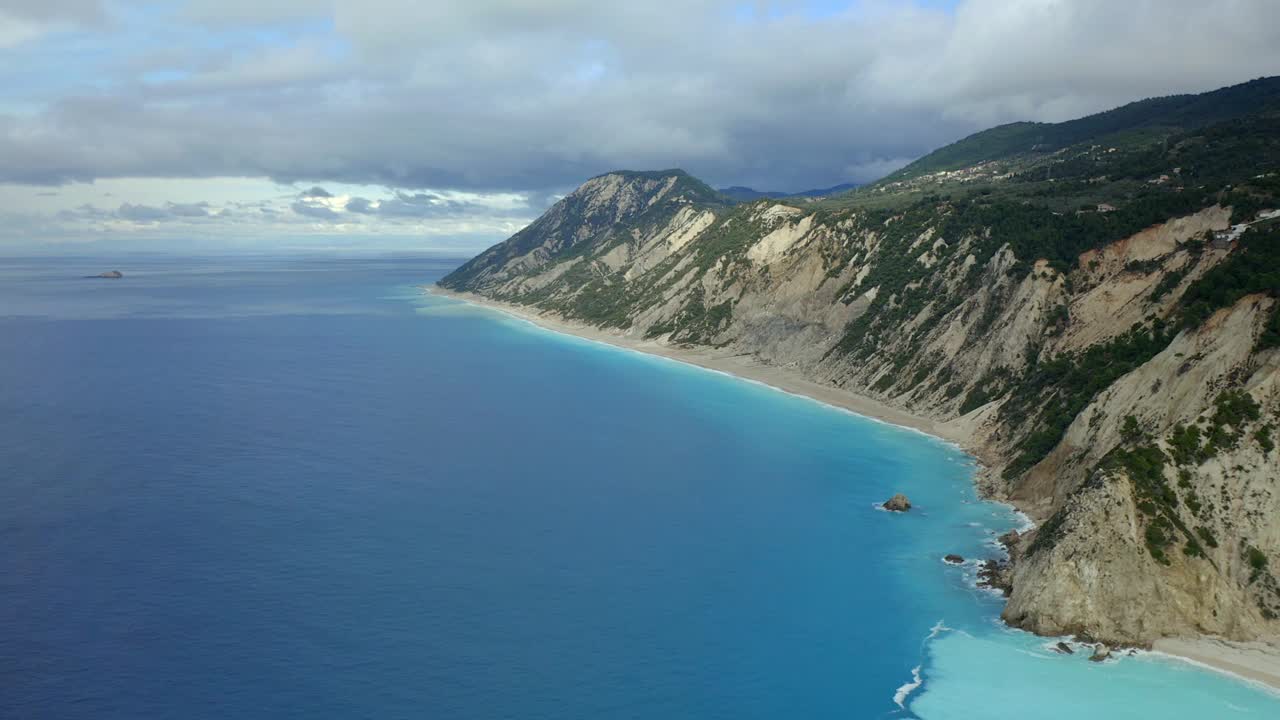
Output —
(1051, 645)
(900, 697)
(973, 582)
(917, 679)
(1025, 521)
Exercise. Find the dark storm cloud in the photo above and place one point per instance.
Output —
(317, 192)
(512, 95)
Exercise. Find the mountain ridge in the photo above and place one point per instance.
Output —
(743, 194)
(1169, 113)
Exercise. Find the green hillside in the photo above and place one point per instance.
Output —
(1155, 117)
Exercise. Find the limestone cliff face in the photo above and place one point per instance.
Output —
(1116, 366)
(1097, 573)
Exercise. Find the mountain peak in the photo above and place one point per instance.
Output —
(646, 174)
(649, 187)
(604, 207)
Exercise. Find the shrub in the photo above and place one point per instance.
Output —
(1207, 536)
(1257, 562)
(1130, 431)
(1184, 444)
(1263, 436)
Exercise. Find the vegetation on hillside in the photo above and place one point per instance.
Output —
(1253, 268)
(1145, 119)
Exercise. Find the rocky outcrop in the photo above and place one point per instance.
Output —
(897, 503)
(109, 275)
(996, 574)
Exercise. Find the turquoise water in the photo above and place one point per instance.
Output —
(971, 664)
(284, 487)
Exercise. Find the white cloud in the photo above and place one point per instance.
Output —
(24, 20)
(401, 98)
(220, 207)
(14, 31)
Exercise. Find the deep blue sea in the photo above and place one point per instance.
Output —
(259, 487)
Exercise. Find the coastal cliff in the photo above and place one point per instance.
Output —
(1092, 307)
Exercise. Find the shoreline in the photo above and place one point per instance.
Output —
(1255, 663)
(743, 367)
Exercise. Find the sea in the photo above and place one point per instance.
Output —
(298, 487)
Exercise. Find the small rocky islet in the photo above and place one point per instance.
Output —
(897, 503)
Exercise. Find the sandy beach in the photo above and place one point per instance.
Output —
(1255, 662)
(740, 365)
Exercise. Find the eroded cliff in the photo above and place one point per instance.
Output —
(1107, 339)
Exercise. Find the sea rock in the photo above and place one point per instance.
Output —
(997, 575)
(1063, 648)
(1100, 652)
(897, 503)
(953, 559)
(110, 275)
(1009, 539)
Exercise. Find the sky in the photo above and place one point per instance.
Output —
(425, 124)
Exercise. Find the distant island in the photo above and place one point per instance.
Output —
(109, 274)
(1089, 307)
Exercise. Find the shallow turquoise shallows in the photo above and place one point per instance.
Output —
(298, 488)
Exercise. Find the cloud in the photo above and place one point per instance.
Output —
(360, 205)
(141, 213)
(233, 13)
(170, 211)
(80, 11)
(314, 210)
(251, 212)
(24, 20)
(420, 205)
(189, 210)
(487, 97)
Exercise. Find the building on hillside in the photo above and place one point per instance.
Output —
(1222, 239)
